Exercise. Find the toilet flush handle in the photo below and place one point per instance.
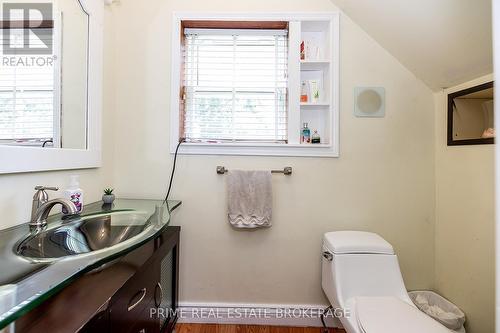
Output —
(328, 256)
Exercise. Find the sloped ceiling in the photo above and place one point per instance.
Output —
(443, 42)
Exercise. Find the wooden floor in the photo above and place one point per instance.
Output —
(218, 328)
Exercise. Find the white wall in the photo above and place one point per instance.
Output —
(465, 222)
(383, 181)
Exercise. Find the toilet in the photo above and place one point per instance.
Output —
(361, 276)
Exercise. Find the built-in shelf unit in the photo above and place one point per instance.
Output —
(317, 61)
(320, 33)
(317, 64)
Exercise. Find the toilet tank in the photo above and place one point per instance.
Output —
(360, 264)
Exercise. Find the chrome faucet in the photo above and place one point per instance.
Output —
(40, 198)
(42, 205)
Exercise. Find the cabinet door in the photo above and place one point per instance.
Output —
(100, 323)
(166, 299)
(167, 253)
(145, 322)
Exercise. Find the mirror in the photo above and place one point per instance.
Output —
(44, 75)
(471, 116)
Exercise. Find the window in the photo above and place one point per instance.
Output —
(26, 102)
(27, 95)
(239, 83)
(235, 85)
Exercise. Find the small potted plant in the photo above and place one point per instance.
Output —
(108, 197)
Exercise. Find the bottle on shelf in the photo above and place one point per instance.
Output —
(302, 51)
(314, 91)
(305, 136)
(303, 92)
(315, 138)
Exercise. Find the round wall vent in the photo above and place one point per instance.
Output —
(369, 102)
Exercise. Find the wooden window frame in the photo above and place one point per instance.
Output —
(215, 24)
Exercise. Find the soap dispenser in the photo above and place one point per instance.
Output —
(74, 194)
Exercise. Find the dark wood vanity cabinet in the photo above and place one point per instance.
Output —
(134, 307)
(133, 303)
(123, 297)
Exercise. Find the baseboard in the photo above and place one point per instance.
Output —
(255, 314)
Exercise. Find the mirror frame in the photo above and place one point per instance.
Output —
(451, 97)
(31, 159)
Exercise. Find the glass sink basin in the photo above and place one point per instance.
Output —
(35, 265)
(87, 234)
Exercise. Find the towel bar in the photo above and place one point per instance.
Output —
(286, 170)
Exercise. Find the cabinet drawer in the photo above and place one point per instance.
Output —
(136, 296)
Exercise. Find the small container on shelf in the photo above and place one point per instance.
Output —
(305, 135)
(315, 138)
(303, 92)
(314, 91)
(310, 50)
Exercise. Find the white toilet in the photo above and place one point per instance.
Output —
(361, 276)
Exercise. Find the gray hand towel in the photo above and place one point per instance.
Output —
(249, 198)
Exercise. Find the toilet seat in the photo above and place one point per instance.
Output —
(392, 315)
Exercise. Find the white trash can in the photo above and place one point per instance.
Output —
(440, 309)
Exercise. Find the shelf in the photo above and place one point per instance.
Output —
(311, 65)
(320, 104)
(325, 61)
(311, 145)
(319, 65)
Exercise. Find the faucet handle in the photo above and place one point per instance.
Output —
(41, 196)
(43, 188)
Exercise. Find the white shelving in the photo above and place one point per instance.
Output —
(322, 65)
(312, 65)
(319, 64)
(325, 61)
(312, 105)
(312, 145)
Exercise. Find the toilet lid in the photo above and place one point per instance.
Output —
(392, 315)
(355, 242)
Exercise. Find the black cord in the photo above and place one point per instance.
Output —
(173, 169)
(47, 141)
(322, 317)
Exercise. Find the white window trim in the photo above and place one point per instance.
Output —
(29, 159)
(57, 78)
(268, 149)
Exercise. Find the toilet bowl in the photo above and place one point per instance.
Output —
(361, 276)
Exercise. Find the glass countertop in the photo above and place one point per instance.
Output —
(36, 265)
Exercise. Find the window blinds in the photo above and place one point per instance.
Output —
(235, 85)
(26, 95)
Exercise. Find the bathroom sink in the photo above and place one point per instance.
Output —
(85, 235)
